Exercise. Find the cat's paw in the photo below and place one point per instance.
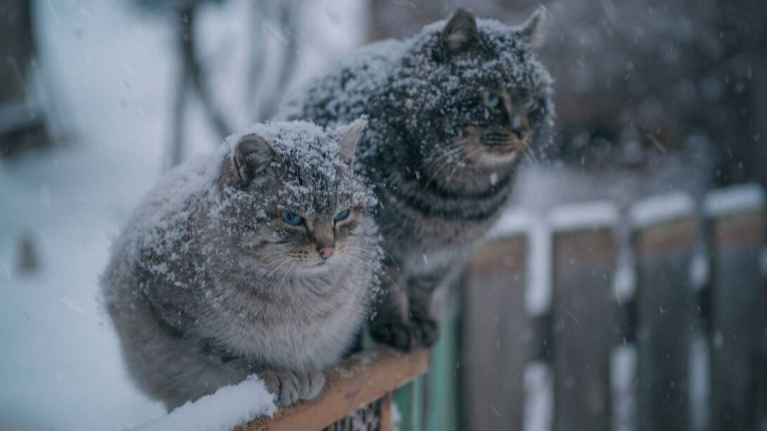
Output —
(311, 383)
(427, 331)
(291, 386)
(407, 336)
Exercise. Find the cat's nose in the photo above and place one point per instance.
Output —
(326, 252)
(517, 127)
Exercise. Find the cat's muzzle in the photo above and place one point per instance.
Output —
(503, 141)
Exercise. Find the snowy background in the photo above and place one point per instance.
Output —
(671, 95)
(112, 70)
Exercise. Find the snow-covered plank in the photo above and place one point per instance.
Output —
(734, 200)
(589, 215)
(538, 234)
(662, 208)
(355, 383)
(512, 223)
(229, 407)
(351, 385)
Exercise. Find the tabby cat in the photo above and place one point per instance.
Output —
(452, 112)
(259, 258)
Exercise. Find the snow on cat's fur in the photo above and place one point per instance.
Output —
(452, 111)
(209, 283)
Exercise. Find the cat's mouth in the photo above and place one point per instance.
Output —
(503, 141)
(495, 139)
(493, 146)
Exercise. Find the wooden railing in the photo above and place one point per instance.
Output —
(357, 395)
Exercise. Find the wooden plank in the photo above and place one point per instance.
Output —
(355, 382)
(496, 336)
(585, 322)
(665, 307)
(737, 308)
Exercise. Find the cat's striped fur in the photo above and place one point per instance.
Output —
(452, 111)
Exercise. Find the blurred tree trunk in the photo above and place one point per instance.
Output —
(192, 77)
(21, 124)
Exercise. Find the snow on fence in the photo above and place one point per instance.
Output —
(358, 395)
(652, 318)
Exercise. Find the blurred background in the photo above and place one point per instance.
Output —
(662, 121)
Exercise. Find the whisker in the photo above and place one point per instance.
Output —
(279, 288)
(457, 165)
(443, 166)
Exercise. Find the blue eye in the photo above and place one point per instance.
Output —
(490, 99)
(342, 215)
(292, 218)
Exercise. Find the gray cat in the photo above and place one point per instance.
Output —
(259, 258)
(453, 110)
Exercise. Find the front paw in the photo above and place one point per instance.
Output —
(407, 336)
(311, 383)
(290, 386)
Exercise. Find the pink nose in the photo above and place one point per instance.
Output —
(326, 252)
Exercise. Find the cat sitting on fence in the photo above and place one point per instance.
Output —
(257, 258)
(453, 110)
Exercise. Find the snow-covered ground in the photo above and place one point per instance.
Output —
(113, 70)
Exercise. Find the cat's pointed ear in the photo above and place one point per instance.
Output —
(460, 33)
(350, 137)
(252, 155)
(532, 29)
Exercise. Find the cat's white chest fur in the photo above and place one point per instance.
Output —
(310, 331)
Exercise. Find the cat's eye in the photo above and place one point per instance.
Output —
(531, 105)
(490, 99)
(341, 216)
(291, 218)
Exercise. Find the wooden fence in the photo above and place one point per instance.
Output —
(596, 318)
(589, 318)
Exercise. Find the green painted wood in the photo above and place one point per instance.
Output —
(418, 413)
(403, 399)
(409, 401)
(443, 408)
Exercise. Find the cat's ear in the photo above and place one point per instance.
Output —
(532, 29)
(350, 137)
(460, 33)
(252, 155)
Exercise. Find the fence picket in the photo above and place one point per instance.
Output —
(665, 242)
(585, 315)
(496, 336)
(737, 309)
